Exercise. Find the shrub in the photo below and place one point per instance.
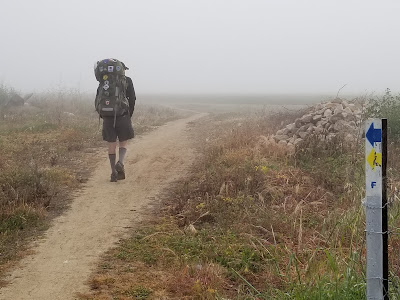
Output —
(387, 106)
(4, 94)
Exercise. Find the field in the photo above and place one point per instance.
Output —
(47, 152)
(254, 222)
(249, 221)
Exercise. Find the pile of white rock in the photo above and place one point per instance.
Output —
(324, 120)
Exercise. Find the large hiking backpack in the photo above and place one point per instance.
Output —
(111, 98)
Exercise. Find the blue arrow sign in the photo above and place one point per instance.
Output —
(374, 135)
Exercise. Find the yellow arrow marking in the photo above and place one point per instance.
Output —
(374, 159)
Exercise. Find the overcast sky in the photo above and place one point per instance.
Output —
(204, 46)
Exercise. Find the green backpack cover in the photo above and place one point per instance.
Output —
(111, 98)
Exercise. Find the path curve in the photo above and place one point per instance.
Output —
(65, 257)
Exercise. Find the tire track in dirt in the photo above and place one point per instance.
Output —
(99, 216)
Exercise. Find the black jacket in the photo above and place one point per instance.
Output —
(130, 95)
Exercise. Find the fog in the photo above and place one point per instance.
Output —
(204, 47)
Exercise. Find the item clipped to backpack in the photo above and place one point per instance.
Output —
(111, 98)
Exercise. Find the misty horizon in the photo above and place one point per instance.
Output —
(210, 47)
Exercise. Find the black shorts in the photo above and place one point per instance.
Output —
(123, 129)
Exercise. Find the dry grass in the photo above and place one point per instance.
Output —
(254, 222)
(260, 219)
(47, 150)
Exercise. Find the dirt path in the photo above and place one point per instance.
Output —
(99, 216)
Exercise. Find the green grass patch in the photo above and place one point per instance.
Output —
(19, 220)
(325, 288)
(207, 246)
(139, 292)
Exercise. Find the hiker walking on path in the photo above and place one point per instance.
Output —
(115, 103)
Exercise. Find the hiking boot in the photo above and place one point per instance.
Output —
(114, 177)
(120, 170)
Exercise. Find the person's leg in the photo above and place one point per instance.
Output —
(119, 167)
(112, 147)
(122, 151)
(112, 155)
(124, 133)
(110, 135)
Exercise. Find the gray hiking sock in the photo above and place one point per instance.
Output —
(112, 158)
(122, 152)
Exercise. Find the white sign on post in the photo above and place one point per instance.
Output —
(374, 206)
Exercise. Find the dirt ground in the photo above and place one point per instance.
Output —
(100, 215)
